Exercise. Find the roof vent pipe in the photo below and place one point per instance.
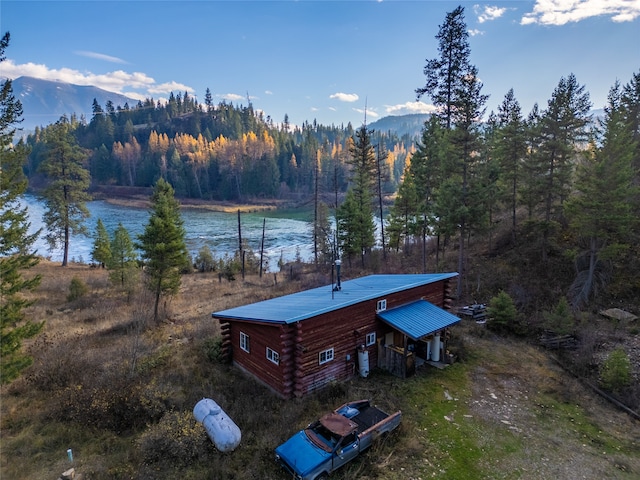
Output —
(338, 287)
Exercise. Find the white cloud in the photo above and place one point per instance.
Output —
(99, 56)
(410, 107)
(475, 32)
(488, 13)
(345, 97)
(560, 12)
(169, 87)
(117, 81)
(232, 97)
(368, 113)
(268, 92)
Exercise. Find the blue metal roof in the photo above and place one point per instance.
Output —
(418, 318)
(310, 303)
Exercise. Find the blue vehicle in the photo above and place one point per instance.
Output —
(334, 440)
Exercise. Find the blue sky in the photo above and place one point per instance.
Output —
(323, 60)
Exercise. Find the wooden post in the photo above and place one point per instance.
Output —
(239, 234)
(264, 222)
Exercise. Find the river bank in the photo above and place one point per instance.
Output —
(139, 197)
(278, 232)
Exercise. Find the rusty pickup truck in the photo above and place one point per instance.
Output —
(334, 440)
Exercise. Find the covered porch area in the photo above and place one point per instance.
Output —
(418, 333)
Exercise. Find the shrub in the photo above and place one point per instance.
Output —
(213, 349)
(204, 261)
(177, 439)
(503, 315)
(229, 267)
(58, 362)
(77, 289)
(118, 403)
(560, 319)
(615, 372)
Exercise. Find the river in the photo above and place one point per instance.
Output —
(284, 237)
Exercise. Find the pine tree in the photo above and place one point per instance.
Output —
(403, 218)
(208, 100)
(122, 261)
(630, 102)
(601, 211)
(101, 252)
(323, 234)
(15, 241)
(66, 193)
(615, 372)
(445, 73)
(453, 85)
(356, 215)
(503, 314)
(163, 247)
(560, 319)
(563, 130)
(511, 150)
(348, 221)
(464, 140)
(492, 188)
(426, 172)
(530, 177)
(631, 107)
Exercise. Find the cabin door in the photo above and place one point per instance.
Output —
(388, 339)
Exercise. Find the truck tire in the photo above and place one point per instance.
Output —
(322, 476)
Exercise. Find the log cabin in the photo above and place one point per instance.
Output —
(299, 343)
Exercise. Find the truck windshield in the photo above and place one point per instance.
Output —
(322, 437)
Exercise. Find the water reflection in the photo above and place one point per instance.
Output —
(283, 236)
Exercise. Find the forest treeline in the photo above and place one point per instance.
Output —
(215, 152)
(562, 184)
(553, 174)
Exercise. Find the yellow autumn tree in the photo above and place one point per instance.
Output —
(159, 145)
(195, 153)
(129, 156)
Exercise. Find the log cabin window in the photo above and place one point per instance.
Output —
(371, 339)
(273, 356)
(382, 305)
(244, 342)
(325, 356)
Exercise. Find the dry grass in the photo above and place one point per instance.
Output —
(120, 390)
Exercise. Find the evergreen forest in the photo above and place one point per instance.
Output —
(221, 152)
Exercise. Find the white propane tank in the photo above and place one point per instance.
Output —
(435, 349)
(222, 431)
(363, 361)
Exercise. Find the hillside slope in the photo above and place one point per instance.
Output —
(122, 398)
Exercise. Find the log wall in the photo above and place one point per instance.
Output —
(299, 345)
(255, 361)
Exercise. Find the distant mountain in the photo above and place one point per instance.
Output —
(45, 101)
(411, 124)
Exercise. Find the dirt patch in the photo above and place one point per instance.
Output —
(530, 397)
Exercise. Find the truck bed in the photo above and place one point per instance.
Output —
(368, 417)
